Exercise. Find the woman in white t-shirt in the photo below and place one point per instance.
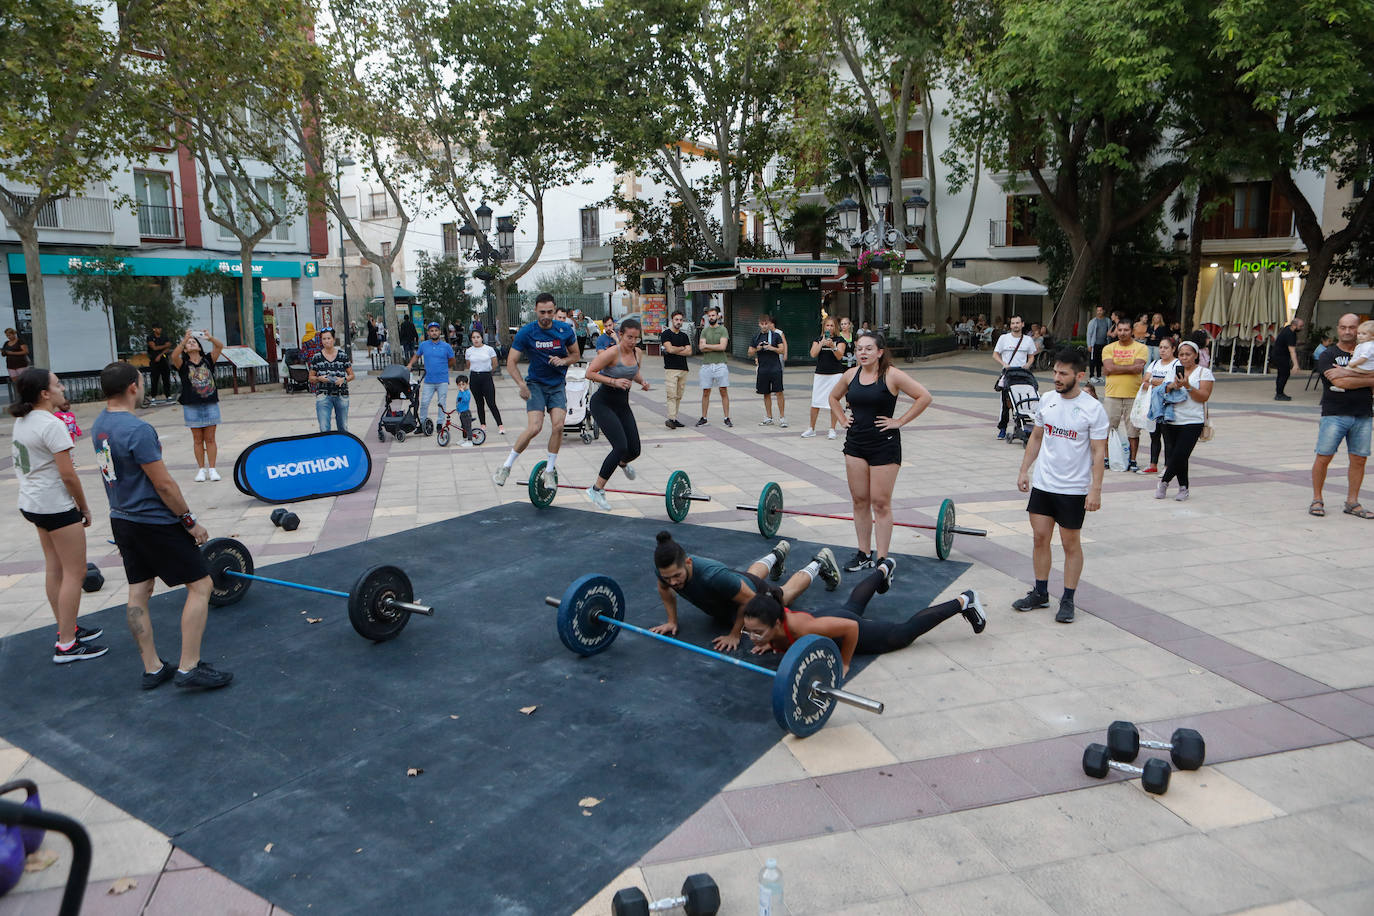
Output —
(50, 496)
(1158, 373)
(1182, 432)
(481, 358)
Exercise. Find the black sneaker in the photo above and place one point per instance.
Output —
(973, 612)
(830, 570)
(79, 652)
(1032, 601)
(1065, 614)
(1132, 468)
(85, 635)
(203, 677)
(887, 568)
(159, 677)
(780, 550)
(728, 423)
(678, 424)
(1282, 397)
(859, 561)
(702, 422)
(669, 424)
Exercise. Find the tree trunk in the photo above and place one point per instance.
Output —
(247, 336)
(1070, 301)
(500, 314)
(389, 318)
(1318, 266)
(38, 310)
(1106, 280)
(1190, 282)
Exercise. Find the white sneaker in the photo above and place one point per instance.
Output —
(629, 472)
(782, 422)
(830, 435)
(466, 443)
(809, 434)
(766, 421)
(200, 476)
(550, 477)
(499, 478)
(598, 498)
(214, 475)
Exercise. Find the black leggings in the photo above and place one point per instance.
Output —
(1179, 442)
(617, 421)
(879, 636)
(1156, 440)
(160, 371)
(483, 394)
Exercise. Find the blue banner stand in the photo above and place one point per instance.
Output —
(295, 468)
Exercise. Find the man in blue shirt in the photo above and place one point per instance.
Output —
(608, 336)
(551, 347)
(438, 358)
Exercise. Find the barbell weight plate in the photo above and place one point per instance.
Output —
(944, 529)
(584, 599)
(222, 555)
(811, 659)
(540, 495)
(679, 488)
(770, 509)
(369, 603)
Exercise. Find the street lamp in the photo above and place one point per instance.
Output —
(340, 163)
(1180, 241)
(473, 240)
(1181, 271)
(882, 232)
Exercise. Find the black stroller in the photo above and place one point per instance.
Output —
(1023, 393)
(403, 419)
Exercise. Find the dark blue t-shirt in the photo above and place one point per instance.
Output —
(712, 587)
(436, 354)
(539, 346)
(123, 444)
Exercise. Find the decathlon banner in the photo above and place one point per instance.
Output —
(303, 467)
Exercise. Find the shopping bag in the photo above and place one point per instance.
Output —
(1116, 451)
(1140, 410)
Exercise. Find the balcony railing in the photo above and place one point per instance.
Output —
(1004, 233)
(158, 221)
(77, 214)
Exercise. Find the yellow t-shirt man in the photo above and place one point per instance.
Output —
(1124, 384)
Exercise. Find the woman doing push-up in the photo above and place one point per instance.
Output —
(774, 627)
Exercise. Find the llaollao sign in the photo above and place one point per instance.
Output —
(294, 468)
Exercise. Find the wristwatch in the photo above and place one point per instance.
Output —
(188, 519)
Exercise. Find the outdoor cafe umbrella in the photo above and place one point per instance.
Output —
(1213, 317)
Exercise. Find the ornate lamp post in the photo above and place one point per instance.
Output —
(340, 163)
(881, 233)
(481, 250)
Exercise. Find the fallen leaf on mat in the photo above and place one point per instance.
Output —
(528, 710)
(414, 771)
(590, 802)
(586, 814)
(453, 717)
(40, 860)
(313, 619)
(268, 847)
(122, 886)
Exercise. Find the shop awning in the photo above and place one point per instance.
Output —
(711, 284)
(783, 267)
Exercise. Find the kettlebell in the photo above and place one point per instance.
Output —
(11, 858)
(32, 836)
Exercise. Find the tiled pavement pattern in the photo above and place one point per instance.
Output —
(1235, 612)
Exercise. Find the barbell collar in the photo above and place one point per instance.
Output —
(971, 532)
(412, 607)
(551, 601)
(844, 696)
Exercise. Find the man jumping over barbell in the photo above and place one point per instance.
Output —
(723, 592)
(773, 626)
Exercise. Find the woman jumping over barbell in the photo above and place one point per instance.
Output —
(773, 627)
(723, 592)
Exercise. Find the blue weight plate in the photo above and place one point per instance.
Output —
(812, 659)
(588, 598)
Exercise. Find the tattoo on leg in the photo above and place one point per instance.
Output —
(138, 621)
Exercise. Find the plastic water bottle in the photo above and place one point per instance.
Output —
(770, 889)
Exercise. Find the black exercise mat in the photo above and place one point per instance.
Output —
(309, 749)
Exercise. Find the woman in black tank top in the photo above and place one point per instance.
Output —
(873, 443)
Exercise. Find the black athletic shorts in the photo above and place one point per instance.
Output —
(166, 552)
(883, 450)
(769, 382)
(1067, 509)
(53, 521)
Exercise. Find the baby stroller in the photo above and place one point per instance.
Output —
(405, 419)
(1023, 391)
(579, 395)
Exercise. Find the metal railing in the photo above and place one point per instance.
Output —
(78, 214)
(158, 221)
(1004, 233)
(85, 386)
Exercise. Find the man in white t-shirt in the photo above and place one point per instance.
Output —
(1014, 350)
(1070, 440)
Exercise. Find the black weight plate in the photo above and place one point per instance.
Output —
(222, 555)
(587, 598)
(369, 607)
(679, 487)
(811, 659)
(944, 529)
(541, 495)
(770, 509)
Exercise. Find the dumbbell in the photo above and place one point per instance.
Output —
(1155, 775)
(1186, 747)
(700, 897)
(289, 521)
(95, 579)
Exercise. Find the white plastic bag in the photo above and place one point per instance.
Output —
(1116, 451)
(1140, 410)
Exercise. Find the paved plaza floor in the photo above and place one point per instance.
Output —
(1235, 612)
